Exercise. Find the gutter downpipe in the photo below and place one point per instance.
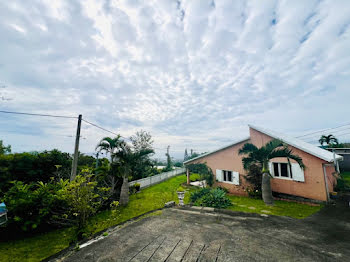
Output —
(325, 179)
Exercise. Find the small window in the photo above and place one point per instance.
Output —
(281, 170)
(227, 176)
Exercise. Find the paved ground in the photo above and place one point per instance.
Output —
(183, 235)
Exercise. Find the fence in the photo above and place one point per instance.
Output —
(148, 181)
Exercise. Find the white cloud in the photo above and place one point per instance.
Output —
(193, 73)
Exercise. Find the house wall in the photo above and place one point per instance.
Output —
(227, 159)
(331, 178)
(314, 185)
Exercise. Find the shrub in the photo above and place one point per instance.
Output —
(254, 177)
(30, 205)
(180, 189)
(254, 193)
(210, 198)
(137, 186)
(199, 194)
(204, 171)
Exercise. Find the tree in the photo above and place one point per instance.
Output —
(186, 155)
(111, 146)
(261, 157)
(142, 140)
(168, 159)
(4, 149)
(144, 167)
(126, 158)
(329, 140)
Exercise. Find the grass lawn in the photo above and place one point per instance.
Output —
(280, 208)
(44, 245)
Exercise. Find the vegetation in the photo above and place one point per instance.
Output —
(343, 182)
(4, 149)
(329, 140)
(280, 208)
(261, 156)
(203, 170)
(210, 198)
(254, 177)
(41, 246)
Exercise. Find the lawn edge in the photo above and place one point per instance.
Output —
(71, 247)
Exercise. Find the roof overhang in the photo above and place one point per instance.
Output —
(217, 150)
(297, 143)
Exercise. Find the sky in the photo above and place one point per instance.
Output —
(192, 73)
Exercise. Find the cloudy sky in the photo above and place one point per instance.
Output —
(193, 73)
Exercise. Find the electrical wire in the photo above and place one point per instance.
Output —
(104, 129)
(322, 130)
(33, 114)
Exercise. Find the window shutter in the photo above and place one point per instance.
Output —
(271, 169)
(235, 178)
(297, 173)
(219, 175)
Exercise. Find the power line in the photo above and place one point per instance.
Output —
(323, 130)
(33, 114)
(104, 129)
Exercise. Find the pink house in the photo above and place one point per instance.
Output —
(315, 182)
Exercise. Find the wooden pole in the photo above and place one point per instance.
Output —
(76, 151)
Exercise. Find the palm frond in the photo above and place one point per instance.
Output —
(247, 148)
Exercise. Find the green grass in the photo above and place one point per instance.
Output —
(44, 245)
(280, 208)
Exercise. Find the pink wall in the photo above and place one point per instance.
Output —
(228, 159)
(313, 187)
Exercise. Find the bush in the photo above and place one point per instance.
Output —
(137, 186)
(204, 171)
(31, 205)
(211, 198)
(254, 177)
(180, 189)
(254, 193)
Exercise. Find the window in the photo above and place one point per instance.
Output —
(281, 170)
(227, 176)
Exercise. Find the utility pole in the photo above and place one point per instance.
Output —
(76, 151)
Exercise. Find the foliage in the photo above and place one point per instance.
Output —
(199, 194)
(178, 164)
(180, 189)
(42, 246)
(254, 193)
(169, 164)
(211, 198)
(254, 177)
(340, 145)
(343, 182)
(137, 186)
(83, 199)
(203, 170)
(329, 140)
(260, 158)
(144, 167)
(30, 205)
(33, 167)
(4, 149)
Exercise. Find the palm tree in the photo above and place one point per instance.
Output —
(329, 140)
(111, 146)
(261, 156)
(126, 160)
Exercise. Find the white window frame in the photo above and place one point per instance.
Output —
(279, 171)
(232, 177)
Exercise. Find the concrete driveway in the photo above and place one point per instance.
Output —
(190, 235)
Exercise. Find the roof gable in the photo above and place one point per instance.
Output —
(297, 143)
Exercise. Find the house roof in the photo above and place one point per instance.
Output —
(217, 150)
(297, 143)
